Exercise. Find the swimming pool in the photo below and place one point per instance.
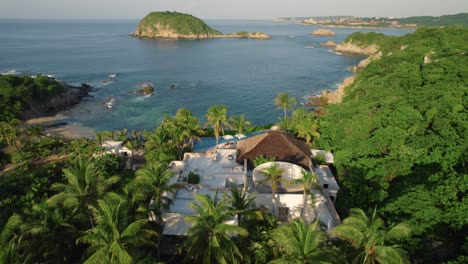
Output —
(207, 143)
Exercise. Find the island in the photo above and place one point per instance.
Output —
(175, 25)
(323, 32)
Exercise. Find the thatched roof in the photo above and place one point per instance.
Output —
(278, 144)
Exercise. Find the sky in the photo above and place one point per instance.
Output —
(224, 9)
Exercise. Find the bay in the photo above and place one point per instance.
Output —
(243, 74)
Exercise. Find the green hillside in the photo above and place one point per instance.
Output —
(446, 20)
(183, 24)
(16, 91)
(400, 135)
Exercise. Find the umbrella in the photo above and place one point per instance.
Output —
(239, 136)
(228, 137)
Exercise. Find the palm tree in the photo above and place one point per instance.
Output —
(10, 241)
(217, 119)
(301, 243)
(83, 187)
(238, 122)
(374, 244)
(191, 128)
(273, 176)
(137, 197)
(242, 203)
(115, 239)
(156, 178)
(308, 130)
(300, 114)
(209, 238)
(100, 135)
(285, 101)
(160, 145)
(46, 225)
(308, 180)
(286, 124)
(122, 134)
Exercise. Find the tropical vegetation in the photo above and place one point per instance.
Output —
(399, 141)
(181, 23)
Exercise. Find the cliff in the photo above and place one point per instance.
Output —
(174, 25)
(336, 96)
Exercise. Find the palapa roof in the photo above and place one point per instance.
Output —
(278, 144)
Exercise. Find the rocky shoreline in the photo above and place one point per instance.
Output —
(371, 52)
(71, 96)
(175, 36)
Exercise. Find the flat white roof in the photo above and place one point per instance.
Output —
(325, 176)
(111, 143)
(294, 202)
(175, 224)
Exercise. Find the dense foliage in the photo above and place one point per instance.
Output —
(181, 23)
(399, 140)
(16, 91)
(400, 136)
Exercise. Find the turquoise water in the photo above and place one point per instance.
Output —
(243, 74)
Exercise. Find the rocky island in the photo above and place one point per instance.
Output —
(174, 25)
(323, 32)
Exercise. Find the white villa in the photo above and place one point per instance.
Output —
(230, 166)
(117, 148)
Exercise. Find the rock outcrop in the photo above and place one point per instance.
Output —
(356, 49)
(362, 64)
(336, 96)
(323, 32)
(329, 43)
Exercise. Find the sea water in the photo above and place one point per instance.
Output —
(243, 74)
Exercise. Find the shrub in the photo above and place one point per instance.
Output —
(193, 178)
(320, 159)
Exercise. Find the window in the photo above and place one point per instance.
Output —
(325, 186)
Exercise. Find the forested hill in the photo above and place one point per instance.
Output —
(446, 20)
(173, 24)
(400, 135)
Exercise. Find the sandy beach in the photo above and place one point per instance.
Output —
(60, 127)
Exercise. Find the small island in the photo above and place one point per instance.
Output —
(175, 25)
(323, 32)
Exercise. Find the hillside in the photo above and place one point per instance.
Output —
(400, 135)
(174, 25)
(27, 97)
(446, 20)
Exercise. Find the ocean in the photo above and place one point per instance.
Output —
(243, 74)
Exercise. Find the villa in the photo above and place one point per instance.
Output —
(230, 165)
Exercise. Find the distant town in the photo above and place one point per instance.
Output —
(380, 22)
